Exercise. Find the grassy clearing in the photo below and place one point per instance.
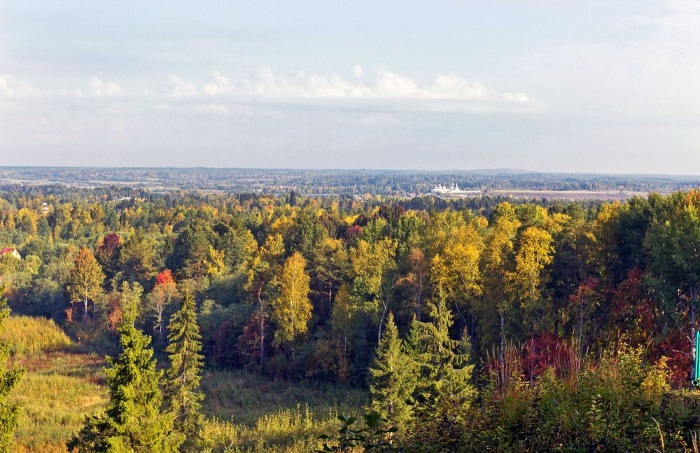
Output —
(29, 335)
(249, 413)
(286, 430)
(245, 412)
(56, 393)
(245, 397)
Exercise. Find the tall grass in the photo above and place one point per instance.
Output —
(29, 335)
(245, 397)
(285, 430)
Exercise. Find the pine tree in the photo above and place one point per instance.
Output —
(393, 378)
(444, 391)
(9, 412)
(182, 388)
(444, 382)
(133, 420)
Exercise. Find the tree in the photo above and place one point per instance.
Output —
(86, 279)
(162, 295)
(9, 413)
(133, 420)
(524, 284)
(107, 254)
(182, 390)
(673, 241)
(393, 378)
(260, 270)
(374, 276)
(444, 390)
(497, 259)
(292, 309)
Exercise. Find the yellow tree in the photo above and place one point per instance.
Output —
(292, 309)
(373, 270)
(260, 271)
(86, 279)
(457, 269)
(524, 284)
(497, 259)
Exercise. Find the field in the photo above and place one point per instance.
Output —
(568, 195)
(244, 412)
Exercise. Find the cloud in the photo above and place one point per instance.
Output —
(265, 85)
(389, 84)
(177, 87)
(11, 87)
(371, 120)
(100, 88)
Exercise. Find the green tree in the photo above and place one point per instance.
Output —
(525, 283)
(373, 269)
(292, 309)
(86, 279)
(444, 391)
(133, 420)
(393, 378)
(182, 390)
(673, 241)
(9, 413)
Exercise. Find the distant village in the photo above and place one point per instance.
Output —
(453, 191)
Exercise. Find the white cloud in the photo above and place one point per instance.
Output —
(358, 71)
(452, 86)
(219, 84)
(100, 88)
(264, 83)
(390, 84)
(520, 98)
(10, 86)
(177, 87)
(371, 120)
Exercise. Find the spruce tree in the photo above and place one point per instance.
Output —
(182, 385)
(444, 384)
(9, 412)
(133, 420)
(393, 378)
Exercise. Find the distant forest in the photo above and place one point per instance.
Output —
(479, 320)
(407, 183)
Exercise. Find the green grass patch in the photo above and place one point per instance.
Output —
(56, 393)
(286, 430)
(245, 398)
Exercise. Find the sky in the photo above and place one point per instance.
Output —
(545, 85)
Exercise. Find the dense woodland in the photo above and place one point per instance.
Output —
(474, 324)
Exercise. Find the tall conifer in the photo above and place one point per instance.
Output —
(393, 378)
(182, 387)
(133, 420)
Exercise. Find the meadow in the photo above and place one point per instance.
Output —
(244, 412)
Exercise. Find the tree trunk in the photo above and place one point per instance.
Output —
(503, 341)
(262, 329)
(693, 352)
